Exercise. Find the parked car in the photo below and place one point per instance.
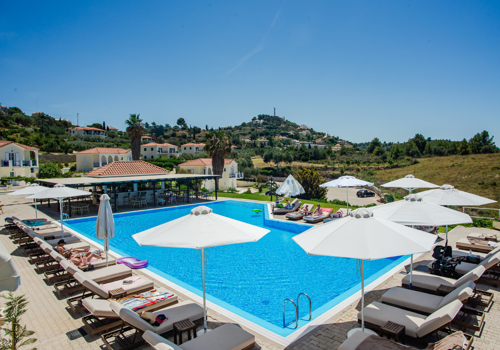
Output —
(268, 193)
(365, 193)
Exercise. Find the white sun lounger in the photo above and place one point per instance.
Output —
(225, 337)
(490, 262)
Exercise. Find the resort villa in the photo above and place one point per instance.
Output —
(87, 131)
(146, 139)
(192, 148)
(19, 160)
(158, 150)
(97, 157)
(203, 166)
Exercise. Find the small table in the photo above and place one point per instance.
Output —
(394, 329)
(444, 290)
(183, 326)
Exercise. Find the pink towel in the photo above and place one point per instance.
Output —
(127, 286)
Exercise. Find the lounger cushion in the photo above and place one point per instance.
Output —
(366, 341)
(110, 272)
(461, 294)
(102, 263)
(490, 261)
(432, 282)
(354, 340)
(411, 299)
(439, 318)
(91, 285)
(99, 308)
(378, 314)
(175, 313)
(226, 337)
(158, 342)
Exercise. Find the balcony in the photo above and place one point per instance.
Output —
(18, 163)
(237, 176)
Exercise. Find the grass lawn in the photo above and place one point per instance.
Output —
(262, 198)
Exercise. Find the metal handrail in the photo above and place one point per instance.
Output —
(310, 304)
(296, 313)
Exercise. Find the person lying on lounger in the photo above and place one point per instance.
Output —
(288, 204)
(61, 249)
(80, 259)
(318, 211)
(303, 210)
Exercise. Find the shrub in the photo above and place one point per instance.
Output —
(49, 171)
(261, 178)
(231, 190)
(310, 179)
(66, 164)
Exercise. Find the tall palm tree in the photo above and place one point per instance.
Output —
(135, 130)
(217, 146)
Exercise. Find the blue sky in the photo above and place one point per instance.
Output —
(356, 69)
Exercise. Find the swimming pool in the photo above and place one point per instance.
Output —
(252, 279)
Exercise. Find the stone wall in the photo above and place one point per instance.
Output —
(61, 158)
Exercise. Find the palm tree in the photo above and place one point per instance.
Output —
(135, 130)
(217, 146)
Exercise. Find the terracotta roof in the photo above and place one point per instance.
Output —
(112, 128)
(5, 143)
(193, 144)
(146, 137)
(88, 128)
(204, 162)
(104, 150)
(127, 168)
(159, 144)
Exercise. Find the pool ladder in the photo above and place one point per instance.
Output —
(296, 306)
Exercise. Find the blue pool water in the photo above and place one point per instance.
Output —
(251, 279)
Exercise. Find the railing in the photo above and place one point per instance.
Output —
(232, 176)
(26, 163)
(33, 163)
(240, 176)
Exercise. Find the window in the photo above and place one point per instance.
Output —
(151, 148)
(145, 149)
(12, 174)
(121, 158)
(152, 157)
(224, 169)
(84, 159)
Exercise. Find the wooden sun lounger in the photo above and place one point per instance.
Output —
(475, 245)
(282, 211)
(298, 216)
(316, 219)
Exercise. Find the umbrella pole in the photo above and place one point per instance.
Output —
(347, 200)
(62, 223)
(203, 282)
(106, 249)
(36, 211)
(446, 244)
(362, 295)
(411, 269)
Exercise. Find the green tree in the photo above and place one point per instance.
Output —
(135, 129)
(378, 151)
(182, 123)
(396, 152)
(96, 125)
(428, 149)
(268, 157)
(16, 335)
(420, 142)
(373, 144)
(479, 141)
(463, 148)
(218, 147)
(311, 179)
(254, 136)
(49, 171)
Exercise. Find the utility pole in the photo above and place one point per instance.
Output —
(77, 123)
(274, 111)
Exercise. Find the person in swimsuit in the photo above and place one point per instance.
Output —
(61, 249)
(318, 211)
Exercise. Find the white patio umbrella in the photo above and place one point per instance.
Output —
(59, 192)
(199, 230)
(31, 189)
(10, 278)
(410, 183)
(290, 187)
(413, 210)
(449, 195)
(105, 223)
(346, 181)
(364, 236)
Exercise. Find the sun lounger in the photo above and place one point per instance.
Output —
(181, 311)
(296, 215)
(483, 236)
(416, 325)
(68, 238)
(426, 304)
(439, 285)
(116, 289)
(489, 263)
(366, 341)
(476, 245)
(102, 275)
(39, 219)
(225, 337)
(102, 317)
(281, 211)
(314, 219)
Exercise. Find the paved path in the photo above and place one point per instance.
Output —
(341, 194)
(50, 318)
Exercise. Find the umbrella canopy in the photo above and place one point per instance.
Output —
(363, 235)
(410, 183)
(346, 181)
(290, 187)
(31, 189)
(10, 278)
(199, 230)
(415, 210)
(105, 223)
(449, 195)
(59, 192)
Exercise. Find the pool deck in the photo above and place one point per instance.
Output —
(50, 318)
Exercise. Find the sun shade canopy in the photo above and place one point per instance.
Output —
(449, 195)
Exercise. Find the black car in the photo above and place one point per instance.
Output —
(268, 193)
(365, 193)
